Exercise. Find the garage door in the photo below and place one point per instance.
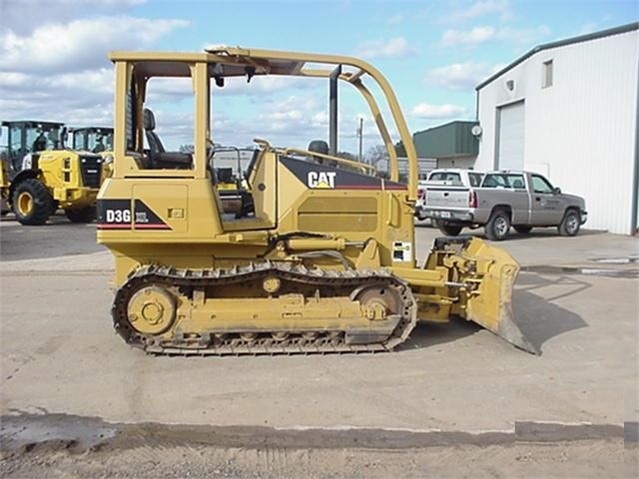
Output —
(510, 154)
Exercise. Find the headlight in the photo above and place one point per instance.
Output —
(108, 159)
(26, 162)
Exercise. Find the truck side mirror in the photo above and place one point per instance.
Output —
(556, 190)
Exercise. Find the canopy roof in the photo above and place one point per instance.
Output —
(235, 62)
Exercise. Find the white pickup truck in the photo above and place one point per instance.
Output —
(447, 178)
(519, 199)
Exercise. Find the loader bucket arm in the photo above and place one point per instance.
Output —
(481, 277)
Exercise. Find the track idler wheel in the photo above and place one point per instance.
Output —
(378, 301)
(151, 310)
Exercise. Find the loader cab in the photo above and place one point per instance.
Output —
(31, 137)
(93, 139)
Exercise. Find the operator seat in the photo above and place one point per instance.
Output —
(158, 156)
(152, 138)
(320, 146)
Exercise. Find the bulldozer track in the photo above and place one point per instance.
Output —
(338, 283)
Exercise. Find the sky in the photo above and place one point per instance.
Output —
(54, 66)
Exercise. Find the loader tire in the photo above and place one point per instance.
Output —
(32, 202)
(82, 215)
(570, 224)
(449, 229)
(498, 225)
(523, 229)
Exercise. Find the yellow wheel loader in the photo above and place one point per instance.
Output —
(46, 176)
(4, 184)
(96, 139)
(326, 263)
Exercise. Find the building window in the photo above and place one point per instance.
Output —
(546, 80)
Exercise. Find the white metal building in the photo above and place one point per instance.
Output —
(569, 110)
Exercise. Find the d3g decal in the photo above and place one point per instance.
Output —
(321, 179)
(117, 215)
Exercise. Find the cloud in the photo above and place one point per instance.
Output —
(62, 68)
(394, 48)
(480, 8)
(525, 36)
(588, 27)
(23, 17)
(80, 44)
(66, 97)
(485, 34)
(425, 110)
(395, 19)
(461, 76)
(473, 36)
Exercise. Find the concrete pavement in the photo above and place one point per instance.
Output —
(58, 351)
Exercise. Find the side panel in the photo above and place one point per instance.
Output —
(517, 200)
(169, 211)
(316, 198)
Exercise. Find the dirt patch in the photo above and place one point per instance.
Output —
(583, 459)
(58, 445)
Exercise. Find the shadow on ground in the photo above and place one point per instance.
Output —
(538, 318)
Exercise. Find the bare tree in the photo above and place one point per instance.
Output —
(346, 155)
(376, 153)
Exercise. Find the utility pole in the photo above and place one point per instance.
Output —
(360, 132)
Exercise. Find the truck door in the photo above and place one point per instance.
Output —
(545, 206)
(519, 199)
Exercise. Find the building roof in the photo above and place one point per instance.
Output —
(453, 122)
(561, 43)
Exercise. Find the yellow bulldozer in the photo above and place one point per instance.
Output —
(45, 175)
(325, 263)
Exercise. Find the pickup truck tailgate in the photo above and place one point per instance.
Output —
(447, 197)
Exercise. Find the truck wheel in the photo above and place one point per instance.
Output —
(449, 229)
(570, 224)
(523, 229)
(31, 202)
(82, 215)
(498, 225)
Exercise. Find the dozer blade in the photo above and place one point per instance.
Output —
(491, 308)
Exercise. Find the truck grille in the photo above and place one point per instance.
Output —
(91, 168)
